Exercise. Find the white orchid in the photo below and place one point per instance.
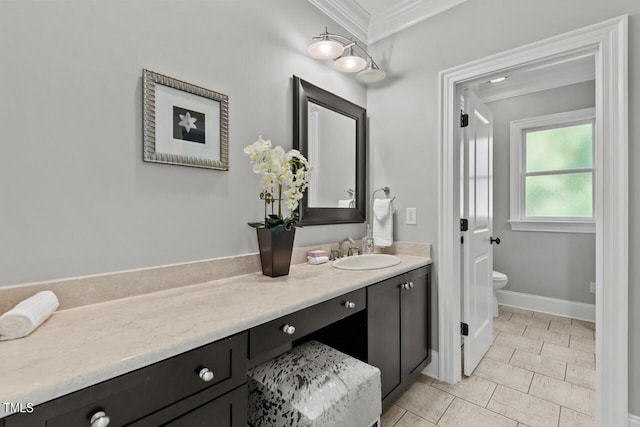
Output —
(279, 170)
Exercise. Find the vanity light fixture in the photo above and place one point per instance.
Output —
(343, 51)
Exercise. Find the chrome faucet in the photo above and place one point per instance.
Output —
(346, 239)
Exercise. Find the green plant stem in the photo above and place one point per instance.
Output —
(265, 211)
(279, 200)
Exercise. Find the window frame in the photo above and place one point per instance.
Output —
(517, 215)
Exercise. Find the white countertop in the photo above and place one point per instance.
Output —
(83, 346)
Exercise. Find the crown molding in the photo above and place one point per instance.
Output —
(371, 28)
(348, 14)
(405, 14)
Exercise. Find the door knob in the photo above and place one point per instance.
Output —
(496, 240)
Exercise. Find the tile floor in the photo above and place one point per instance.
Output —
(540, 371)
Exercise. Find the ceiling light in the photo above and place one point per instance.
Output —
(343, 50)
(498, 79)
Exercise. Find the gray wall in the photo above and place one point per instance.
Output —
(403, 110)
(556, 265)
(76, 197)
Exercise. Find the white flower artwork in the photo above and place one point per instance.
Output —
(187, 122)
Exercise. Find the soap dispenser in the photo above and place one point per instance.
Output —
(367, 242)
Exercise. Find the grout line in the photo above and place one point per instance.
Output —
(487, 409)
(492, 393)
(524, 330)
(448, 406)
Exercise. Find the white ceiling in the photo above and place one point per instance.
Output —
(372, 20)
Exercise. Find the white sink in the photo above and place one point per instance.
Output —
(366, 262)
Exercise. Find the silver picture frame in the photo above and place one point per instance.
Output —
(184, 124)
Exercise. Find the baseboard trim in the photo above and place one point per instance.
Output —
(634, 420)
(559, 307)
(432, 368)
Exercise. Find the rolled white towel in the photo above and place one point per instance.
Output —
(25, 317)
(317, 259)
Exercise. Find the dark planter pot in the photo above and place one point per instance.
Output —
(275, 251)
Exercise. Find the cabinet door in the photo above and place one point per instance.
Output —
(415, 321)
(383, 331)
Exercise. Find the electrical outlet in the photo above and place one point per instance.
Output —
(411, 216)
(592, 287)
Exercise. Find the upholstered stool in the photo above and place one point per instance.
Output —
(314, 385)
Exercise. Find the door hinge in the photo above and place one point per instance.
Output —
(464, 329)
(464, 119)
(464, 224)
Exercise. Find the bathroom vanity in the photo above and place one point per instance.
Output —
(379, 316)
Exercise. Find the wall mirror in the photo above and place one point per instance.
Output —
(331, 133)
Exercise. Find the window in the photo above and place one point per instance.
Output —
(553, 169)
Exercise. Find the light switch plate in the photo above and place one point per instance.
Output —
(411, 216)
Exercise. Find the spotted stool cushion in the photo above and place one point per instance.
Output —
(314, 385)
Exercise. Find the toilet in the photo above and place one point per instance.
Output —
(499, 281)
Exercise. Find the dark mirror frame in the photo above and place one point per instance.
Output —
(303, 93)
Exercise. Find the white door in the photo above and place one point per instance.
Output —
(478, 210)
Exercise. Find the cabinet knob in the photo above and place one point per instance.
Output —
(205, 374)
(99, 419)
(410, 285)
(289, 329)
(405, 286)
(350, 304)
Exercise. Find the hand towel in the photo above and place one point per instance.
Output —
(382, 223)
(316, 253)
(25, 317)
(345, 203)
(314, 260)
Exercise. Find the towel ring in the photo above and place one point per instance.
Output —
(386, 192)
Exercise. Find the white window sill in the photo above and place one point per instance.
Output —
(554, 226)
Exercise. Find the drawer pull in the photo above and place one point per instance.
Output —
(289, 329)
(205, 374)
(350, 304)
(99, 419)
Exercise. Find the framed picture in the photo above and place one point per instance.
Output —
(184, 124)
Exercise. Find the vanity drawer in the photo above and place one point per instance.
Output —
(132, 396)
(271, 335)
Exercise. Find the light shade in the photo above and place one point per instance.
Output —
(350, 63)
(371, 74)
(325, 49)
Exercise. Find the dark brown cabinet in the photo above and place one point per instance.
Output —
(186, 386)
(398, 329)
(386, 324)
